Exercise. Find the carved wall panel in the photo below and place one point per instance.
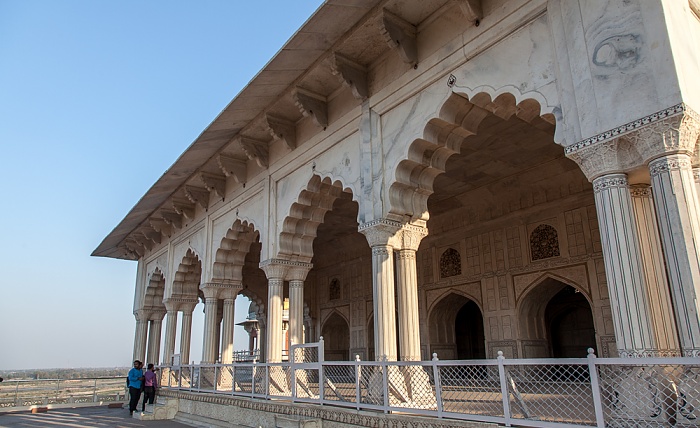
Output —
(544, 242)
(485, 250)
(473, 262)
(508, 347)
(515, 256)
(575, 231)
(499, 250)
(450, 263)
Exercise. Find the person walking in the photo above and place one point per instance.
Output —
(151, 383)
(135, 381)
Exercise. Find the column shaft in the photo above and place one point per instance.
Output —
(676, 201)
(227, 335)
(384, 306)
(274, 320)
(140, 340)
(185, 336)
(170, 332)
(210, 317)
(154, 342)
(407, 293)
(296, 312)
(623, 266)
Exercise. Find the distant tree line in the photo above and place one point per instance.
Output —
(63, 373)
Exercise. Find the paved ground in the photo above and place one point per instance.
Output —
(81, 417)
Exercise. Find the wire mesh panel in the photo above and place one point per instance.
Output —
(260, 379)
(411, 386)
(186, 377)
(279, 380)
(207, 378)
(307, 354)
(224, 382)
(554, 393)
(650, 395)
(371, 384)
(340, 382)
(471, 389)
(243, 378)
(306, 383)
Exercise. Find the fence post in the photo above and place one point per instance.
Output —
(385, 384)
(595, 389)
(252, 382)
(438, 385)
(94, 391)
(358, 375)
(504, 388)
(292, 367)
(321, 376)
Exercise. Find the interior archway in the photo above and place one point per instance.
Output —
(456, 329)
(336, 338)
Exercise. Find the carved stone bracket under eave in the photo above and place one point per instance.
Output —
(472, 9)
(172, 218)
(160, 225)
(282, 129)
(400, 35)
(214, 182)
(184, 207)
(142, 241)
(152, 234)
(312, 104)
(134, 247)
(233, 167)
(353, 75)
(198, 195)
(255, 150)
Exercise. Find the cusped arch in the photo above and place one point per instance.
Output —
(187, 277)
(155, 290)
(459, 118)
(299, 228)
(230, 256)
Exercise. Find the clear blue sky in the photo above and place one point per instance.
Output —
(97, 100)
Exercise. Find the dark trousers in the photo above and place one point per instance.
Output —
(135, 394)
(149, 393)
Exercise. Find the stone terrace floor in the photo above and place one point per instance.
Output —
(81, 417)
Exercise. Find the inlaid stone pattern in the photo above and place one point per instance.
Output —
(544, 242)
(450, 263)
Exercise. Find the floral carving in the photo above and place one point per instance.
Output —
(544, 242)
(450, 263)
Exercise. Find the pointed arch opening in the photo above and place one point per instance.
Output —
(456, 328)
(336, 338)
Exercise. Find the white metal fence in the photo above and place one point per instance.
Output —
(602, 392)
(24, 393)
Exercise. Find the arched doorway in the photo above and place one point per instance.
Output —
(457, 329)
(336, 338)
(570, 324)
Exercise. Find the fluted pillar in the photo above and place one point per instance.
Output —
(275, 272)
(380, 235)
(623, 264)
(229, 297)
(186, 333)
(140, 335)
(407, 292)
(676, 201)
(170, 332)
(663, 321)
(211, 304)
(154, 332)
(296, 276)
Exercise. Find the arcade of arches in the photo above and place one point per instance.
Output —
(375, 198)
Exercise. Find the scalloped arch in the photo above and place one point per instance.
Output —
(155, 290)
(230, 256)
(458, 118)
(187, 277)
(300, 226)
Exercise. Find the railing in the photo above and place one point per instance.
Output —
(613, 392)
(23, 393)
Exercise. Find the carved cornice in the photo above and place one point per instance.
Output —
(233, 167)
(352, 74)
(609, 182)
(214, 182)
(256, 150)
(282, 129)
(400, 35)
(472, 9)
(173, 218)
(311, 105)
(669, 163)
(198, 195)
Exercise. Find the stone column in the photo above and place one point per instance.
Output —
(275, 271)
(623, 264)
(140, 335)
(262, 340)
(154, 333)
(407, 292)
(380, 234)
(296, 277)
(676, 201)
(186, 333)
(211, 303)
(229, 297)
(663, 322)
(170, 331)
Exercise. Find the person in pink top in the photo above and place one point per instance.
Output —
(151, 384)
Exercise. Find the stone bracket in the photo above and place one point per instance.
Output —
(313, 105)
(160, 225)
(472, 9)
(400, 35)
(214, 182)
(282, 129)
(152, 234)
(184, 206)
(233, 167)
(255, 150)
(173, 218)
(198, 195)
(353, 75)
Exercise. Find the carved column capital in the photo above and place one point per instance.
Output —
(157, 315)
(142, 315)
(410, 237)
(676, 134)
(381, 232)
(669, 163)
(221, 289)
(609, 181)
